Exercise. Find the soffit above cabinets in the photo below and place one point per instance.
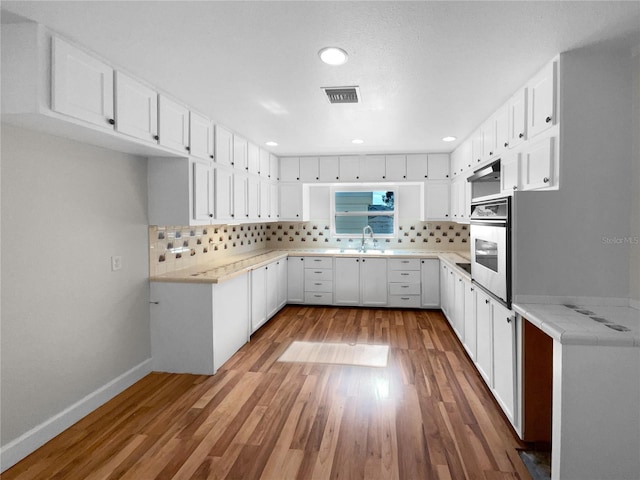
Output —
(425, 69)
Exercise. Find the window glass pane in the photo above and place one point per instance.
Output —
(364, 201)
(353, 225)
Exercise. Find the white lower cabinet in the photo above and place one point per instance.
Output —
(484, 337)
(430, 282)
(282, 282)
(268, 292)
(271, 287)
(444, 296)
(347, 281)
(458, 310)
(470, 318)
(196, 328)
(373, 281)
(504, 359)
(404, 282)
(318, 280)
(258, 298)
(295, 279)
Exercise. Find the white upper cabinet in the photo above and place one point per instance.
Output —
(538, 164)
(224, 146)
(82, 86)
(349, 168)
(542, 100)
(289, 169)
(395, 167)
(329, 169)
(501, 119)
(240, 196)
(291, 202)
(264, 213)
(224, 194)
(174, 125)
(264, 164)
(371, 168)
(488, 132)
(253, 158)
(477, 146)
(309, 169)
(417, 167)
(510, 172)
(201, 136)
(240, 153)
(436, 200)
(274, 172)
(202, 186)
(438, 164)
(253, 198)
(517, 111)
(274, 202)
(136, 108)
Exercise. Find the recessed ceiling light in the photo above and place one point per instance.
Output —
(357, 141)
(333, 56)
(448, 139)
(271, 143)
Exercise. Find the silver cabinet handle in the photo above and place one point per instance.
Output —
(404, 286)
(545, 179)
(318, 296)
(404, 274)
(317, 284)
(405, 298)
(317, 259)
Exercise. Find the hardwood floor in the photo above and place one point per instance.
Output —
(426, 415)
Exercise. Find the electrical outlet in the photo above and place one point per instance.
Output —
(116, 263)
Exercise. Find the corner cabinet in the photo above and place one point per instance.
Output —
(214, 324)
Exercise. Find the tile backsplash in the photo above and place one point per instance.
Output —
(175, 247)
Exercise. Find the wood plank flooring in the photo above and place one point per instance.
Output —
(427, 415)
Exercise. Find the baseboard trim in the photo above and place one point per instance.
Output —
(17, 449)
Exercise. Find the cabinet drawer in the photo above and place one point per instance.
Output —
(318, 286)
(404, 301)
(318, 298)
(404, 289)
(401, 276)
(318, 262)
(404, 264)
(313, 274)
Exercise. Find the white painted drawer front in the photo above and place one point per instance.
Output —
(412, 276)
(404, 289)
(318, 298)
(318, 286)
(317, 274)
(406, 301)
(404, 264)
(318, 262)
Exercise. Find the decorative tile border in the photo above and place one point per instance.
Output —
(175, 247)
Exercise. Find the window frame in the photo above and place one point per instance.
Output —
(366, 188)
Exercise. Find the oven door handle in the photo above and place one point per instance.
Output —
(490, 223)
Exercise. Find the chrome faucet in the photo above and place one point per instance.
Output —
(364, 233)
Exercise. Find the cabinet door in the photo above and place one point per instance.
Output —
(373, 279)
(274, 173)
(458, 315)
(346, 281)
(371, 168)
(504, 359)
(240, 153)
(456, 192)
(537, 165)
(477, 147)
(309, 169)
(542, 100)
(272, 289)
(253, 197)
(264, 164)
(202, 194)
(395, 167)
(329, 169)
(488, 130)
(253, 158)
(274, 202)
(224, 194)
(173, 124)
(430, 282)
(484, 337)
(349, 168)
(451, 297)
(417, 167)
(258, 298)
(502, 130)
(136, 108)
(438, 164)
(470, 319)
(281, 266)
(231, 300)
(291, 202)
(224, 146)
(240, 197)
(265, 196)
(444, 297)
(289, 169)
(517, 107)
(509, 172)
(200, 136)
(436, 197)
(295, 279)
(81, 86)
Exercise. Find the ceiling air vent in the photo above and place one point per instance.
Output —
(342, 94)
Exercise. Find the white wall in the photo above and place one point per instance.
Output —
(69, 324)
(634, 261)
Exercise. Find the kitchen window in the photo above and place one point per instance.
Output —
(354, 208)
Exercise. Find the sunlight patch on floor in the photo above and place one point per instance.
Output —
(337, 353)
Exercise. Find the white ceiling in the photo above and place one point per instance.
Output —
(425, 69)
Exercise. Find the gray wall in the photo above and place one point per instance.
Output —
(634, 263)
(69, 324)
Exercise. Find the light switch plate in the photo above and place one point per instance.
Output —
(116, 263)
